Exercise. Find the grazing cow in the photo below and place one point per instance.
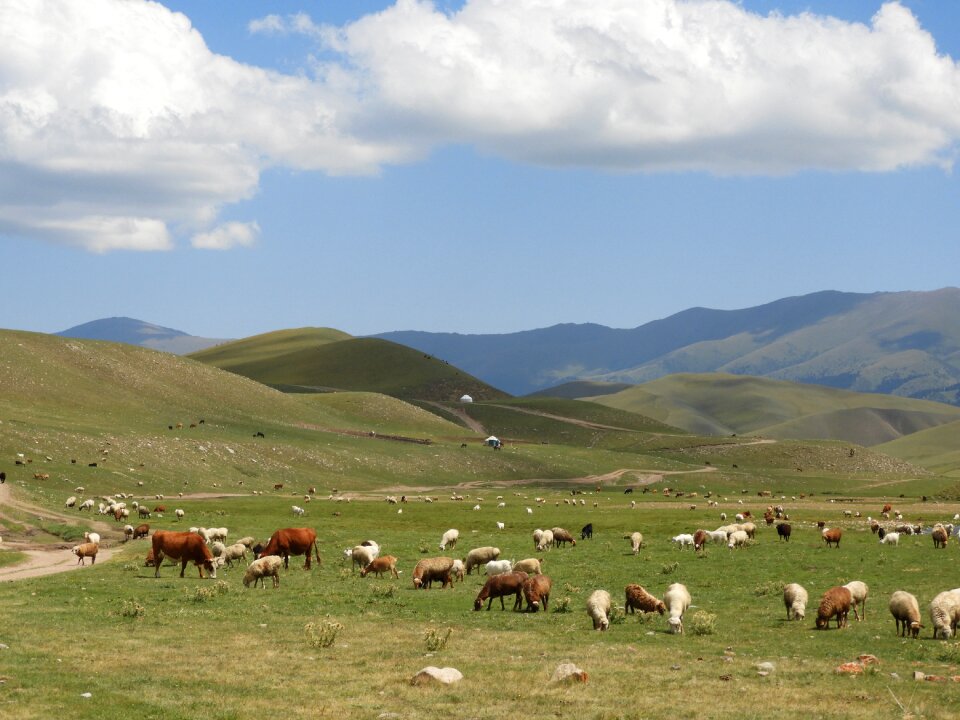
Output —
(185, 547)
(292, 541)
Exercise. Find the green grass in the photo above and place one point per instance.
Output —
(180, 638)
(11, 557)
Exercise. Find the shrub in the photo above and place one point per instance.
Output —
(322, 634)
(132, 609)
(618, 615)
(383, 591)
(436, 638)
(562, 605)
(669, 568)
(771, 587)
(702, 623)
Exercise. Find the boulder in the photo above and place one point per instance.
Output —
(568, 672)
(444, 676)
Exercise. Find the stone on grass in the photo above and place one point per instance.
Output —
(766, 667)
(568, 672)
(444, 676)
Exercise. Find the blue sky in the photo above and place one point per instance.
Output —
(486, 166)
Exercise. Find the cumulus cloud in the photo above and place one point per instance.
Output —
(120, 129)
(227, 236)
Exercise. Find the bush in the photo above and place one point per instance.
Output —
(617, 616)
(436, 638)
(771, 587)
(322, 634)
(132, 609)
(562, 605)
(383, 591)
(669, 568)
(702, 623)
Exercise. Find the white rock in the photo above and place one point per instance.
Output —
(568, 672)
(445, 676)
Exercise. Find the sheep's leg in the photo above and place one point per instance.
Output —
(855, 613)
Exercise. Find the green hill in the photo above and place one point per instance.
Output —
(311, 360)
(935, 449)
(727, 404)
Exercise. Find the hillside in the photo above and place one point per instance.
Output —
(902, 343)
(727, 404)
(313, 360)
(137, 332)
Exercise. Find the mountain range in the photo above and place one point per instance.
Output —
(137, 332)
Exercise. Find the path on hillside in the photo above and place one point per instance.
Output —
(44, 559)
(572, 421)
(471, 423)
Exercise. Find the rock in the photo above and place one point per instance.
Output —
(766, 667)
(917, 675)
(388, 716)
(86, 695)
(850, 668)
(444, 676)
(568, 672)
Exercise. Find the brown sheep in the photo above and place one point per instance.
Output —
(784, 530)
(639, 599)
(561, 537)
(832, 535)
(699, 540)
(940, 537)
(499, 586)
(835, 602)
(86, 550)
(536, 591)
(430, 569)
(141, 531)
(387, 563)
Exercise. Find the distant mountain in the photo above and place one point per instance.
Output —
(137, 332)
(902, 343)
(321, 359)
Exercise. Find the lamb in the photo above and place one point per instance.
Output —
(683, 540)
(639, 599)
(906, 612)
(783, 531)
(430, 569)
(835, 603)
(598, 608)
(91, 537)
(217, 548)
(717, 536)
(237, 551)
(480, 556)
(636, 541)
(537, 535)
(795, 599)
(677, 599)
(380, 565)
(498, 567)
(944, 614)
(143, 511)
(940, 536)
(71, 501)
(531, 566)
(86, 504)
(179, 513)
(450, 538)
(127, 532)
(738, 539)
(297, 510)
(536, 590)
(261, 568)
(700, 538)
(890, 538)
(858, 593)
(832, 535)
(457, 571)
(561, 537)
(362, 555)
(546, 540)
(86, 550)
(499, 586)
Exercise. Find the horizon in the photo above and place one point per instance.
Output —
(465, 166)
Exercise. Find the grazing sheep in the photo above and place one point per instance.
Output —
(636, 541)
(380, 565)
(944, 614)
(91, 537)
(86, 550)
(450, 538)
(143, 511)
(430, 569)
(940, 536)
(457, 571)
(71, 501)
(795, 599)
(717, 536)
(676, 599)
(536, 591)
(531, 566)
(906, 612)
(639, 599)
(86, 504)
(237, 551)
(497, 567)
(297, 510)
(500, 526)
(832, 535)
(562, 537)
(586, 532)
(499, 586)
(179, 513)
(700, 538)
(362, 555)
(682, 540)
(858, 594)
(738, 538)
(480, 556)
(217, 548)
(750, 529)
(546, 540)
(127, 532)
(835, 603)
(261, 568)
(783, 531)
(598, 608)
(247, 541)
(890, 538)
(141, 531)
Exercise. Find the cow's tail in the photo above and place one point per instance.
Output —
(316, 551)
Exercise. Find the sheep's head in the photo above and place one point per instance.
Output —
(417, 582)
(661, 608)
(477, 604)
(822, 622)
(676, 625)
(915, 629)
(604, 624)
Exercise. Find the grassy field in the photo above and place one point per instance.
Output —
(167, 647)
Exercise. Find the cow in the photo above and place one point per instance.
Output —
(185, 547)
(292, 541)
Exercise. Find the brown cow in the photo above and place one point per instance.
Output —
(185, 547)
(292, 541)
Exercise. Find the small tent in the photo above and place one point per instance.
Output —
(466, 399)
(493, 442)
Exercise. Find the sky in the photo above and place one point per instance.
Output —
(472, 166)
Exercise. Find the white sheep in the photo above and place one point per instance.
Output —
(86, 504)
(457, 571)
(71, 501)
(677, 599)
(500, 526)
(217, 548)
(237, 551)
(362, 555)
(537, 534)
(546, 541)
(945, 613)
(498, 567)
(636, 542)
(795, 599)
(297, 510)
(906, 611)
(531, 566)
(450, 538)
(92, 537)
(179, 513)
(858, 592)
(127, 532)
(480, 556)
(683, 540)
(717, 536)
(263, 567)
(598, 608)
(891, 538)
(737, 539)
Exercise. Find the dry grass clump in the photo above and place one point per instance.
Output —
(322, 634)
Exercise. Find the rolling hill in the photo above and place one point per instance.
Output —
(317, 360)
(902, 343)
(137, 332)
(726, 404)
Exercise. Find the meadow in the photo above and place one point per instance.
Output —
(182, 648)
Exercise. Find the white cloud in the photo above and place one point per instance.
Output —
(227, 236)
(119, 128)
